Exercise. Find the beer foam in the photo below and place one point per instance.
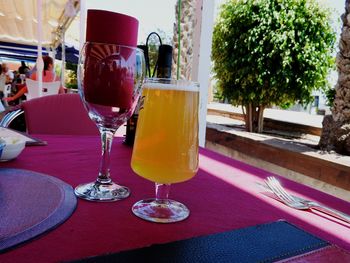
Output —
(179, 85)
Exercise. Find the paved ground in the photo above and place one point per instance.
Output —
(281, 115)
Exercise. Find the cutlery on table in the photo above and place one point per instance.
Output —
(300, 203)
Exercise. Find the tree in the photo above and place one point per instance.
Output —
(185, 21)
(71, 76)
(336, 127)
(271, 52)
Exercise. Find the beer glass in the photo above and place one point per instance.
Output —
(166, 145)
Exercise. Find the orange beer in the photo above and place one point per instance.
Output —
(166, 143)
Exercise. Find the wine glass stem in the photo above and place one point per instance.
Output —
(162, 192)
(106, 140)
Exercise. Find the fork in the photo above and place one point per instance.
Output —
(299, 203)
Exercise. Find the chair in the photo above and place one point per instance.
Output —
(14, 119)
(2, 108)
(48, 88)
(58, 114)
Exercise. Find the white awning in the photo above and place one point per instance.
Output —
(18, 20)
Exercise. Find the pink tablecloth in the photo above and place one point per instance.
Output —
(223, 196)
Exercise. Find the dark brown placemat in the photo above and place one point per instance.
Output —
(261, 243)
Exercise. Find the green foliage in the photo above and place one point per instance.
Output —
(217, 94)
(71, 76)
(71, 66)
(272, 52)
(330, 95)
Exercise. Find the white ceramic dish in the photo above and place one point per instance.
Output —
(13, 147)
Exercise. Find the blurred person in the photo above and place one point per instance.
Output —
(23, 69)
(7, 73)
(49, 75)
(31, 71)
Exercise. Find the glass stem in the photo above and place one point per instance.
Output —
(106, 140)
(162, 192)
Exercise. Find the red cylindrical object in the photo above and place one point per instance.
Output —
(111, 28)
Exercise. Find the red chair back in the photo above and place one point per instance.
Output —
(58, 114)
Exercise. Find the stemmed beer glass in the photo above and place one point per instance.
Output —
(166, 145)
(110, 77)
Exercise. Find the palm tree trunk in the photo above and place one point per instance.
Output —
(336, 129)
(185, 24)
(341, 107)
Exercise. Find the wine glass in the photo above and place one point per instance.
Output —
(110, 77)
(166, 145)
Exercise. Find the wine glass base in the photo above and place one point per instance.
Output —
(102, 192)
(160, 210)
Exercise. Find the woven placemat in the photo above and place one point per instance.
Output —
(31, 204)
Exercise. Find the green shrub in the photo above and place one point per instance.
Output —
(271, 52)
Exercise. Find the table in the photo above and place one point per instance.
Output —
(223, 196)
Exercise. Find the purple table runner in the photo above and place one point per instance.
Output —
(31, 203)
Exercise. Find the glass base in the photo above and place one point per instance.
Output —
(102, 192)
(160, 210)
